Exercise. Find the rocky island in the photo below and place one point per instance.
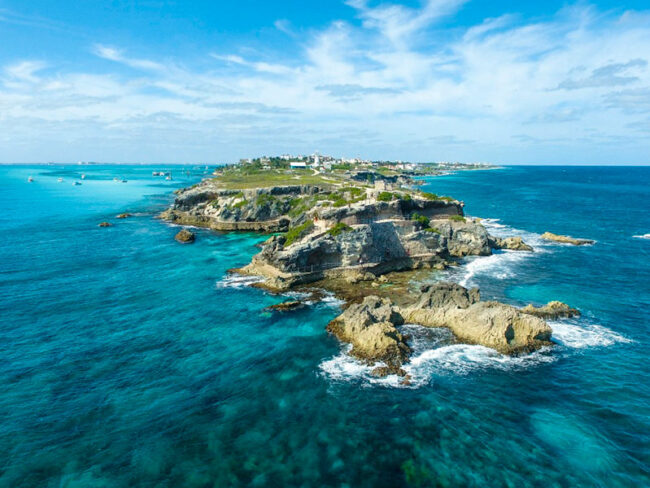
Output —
(347, 230)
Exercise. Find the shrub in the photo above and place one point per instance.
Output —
(457, 218)
(240, 204)
(421, 219)
(432, 229)
(265, 199)
(296, 233)
(405, 197)
(339, 228)
(385, 196)
(429, 196)
(447, 199)
(340, 202)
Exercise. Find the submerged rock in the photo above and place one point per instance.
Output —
(549, 236)
(370, 328)
(511, 243)
(491, 324)
(124, 216)
(105, 224)
(284, 306)
(185, 236)
(552, 310)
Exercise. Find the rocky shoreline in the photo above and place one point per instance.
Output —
(355, 239)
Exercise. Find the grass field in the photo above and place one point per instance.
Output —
(233, 180)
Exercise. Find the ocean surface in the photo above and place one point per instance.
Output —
(129, 360)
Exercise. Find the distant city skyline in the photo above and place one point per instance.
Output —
(212, 82)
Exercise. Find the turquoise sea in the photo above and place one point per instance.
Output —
(129, 360)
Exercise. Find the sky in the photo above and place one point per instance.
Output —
(146, 81)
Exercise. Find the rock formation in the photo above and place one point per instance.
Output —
(371, 325)
(370, 328)
(284, 306)
(105, 224)
(124, 216)
(185, 236)
(511, 243)
(549, 236)
(492, 324)
(552, 310)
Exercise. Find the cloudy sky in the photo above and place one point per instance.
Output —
(163, 81)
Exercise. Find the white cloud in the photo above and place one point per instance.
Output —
(393, 87)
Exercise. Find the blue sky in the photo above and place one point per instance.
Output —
(212, 81)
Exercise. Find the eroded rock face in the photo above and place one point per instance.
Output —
(511, 243)
(257, 209)
(491, 324)
(552, 310)
(549, 236)
(376, 248)
(185, 236)
(370, 328)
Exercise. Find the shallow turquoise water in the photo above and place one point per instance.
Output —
(128, 360)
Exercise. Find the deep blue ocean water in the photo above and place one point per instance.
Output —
(127, 359)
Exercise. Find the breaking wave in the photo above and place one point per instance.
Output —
(436, 354)
(238, 281)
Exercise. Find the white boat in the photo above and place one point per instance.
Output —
(59, 180)
(30, 179)
(168, 178)
(83, 176)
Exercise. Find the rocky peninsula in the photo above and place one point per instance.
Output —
(348, 231)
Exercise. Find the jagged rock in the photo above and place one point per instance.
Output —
(552, 310)
(447, 294)
(284, 306)
(185, 236)
(370, 328)
(549, 236)
(124, 216)
(511, 243)
(491, 324)
(356, 276)
(105, 224)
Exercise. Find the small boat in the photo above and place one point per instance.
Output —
(59, 180)
(124, 181)
(30, 179)
(76, 183)
(168, 178)
(116, 179)
(83, 176)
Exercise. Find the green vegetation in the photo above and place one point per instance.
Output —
(429, 196)
(243, 177)
(355, 191)
(405, 197)
(435, 230)
(457, 218)
(215, 203)
(385, 196)
(296, 233)
(339, 228)
(342, 167)
(265, 199)
(240, 204)
(421, 219)
(339, 201)
(447, 199)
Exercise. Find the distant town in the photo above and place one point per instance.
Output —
(318, 161)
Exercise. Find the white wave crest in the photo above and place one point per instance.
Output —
(238, 281)
(644, 236)
(578, 336)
